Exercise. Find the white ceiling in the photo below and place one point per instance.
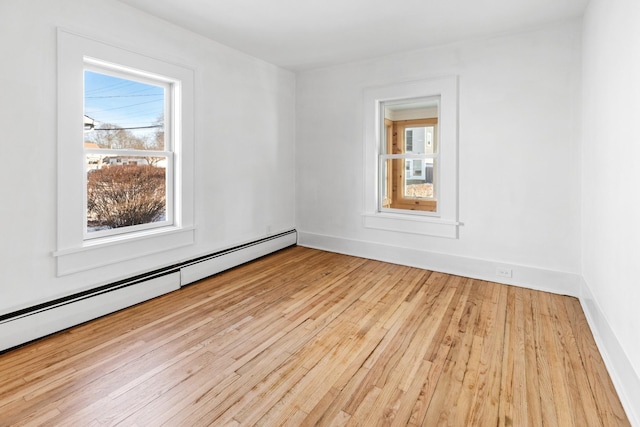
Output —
(303, 34)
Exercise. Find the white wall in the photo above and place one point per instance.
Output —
(240, 102)
(611, 184)
(518, 153)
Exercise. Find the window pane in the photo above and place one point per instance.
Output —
(121, 113)
(431, 140)
(419, 182)
(386, 189)
(419, 140)
(125, 191)
(408, 139)
(408, 179)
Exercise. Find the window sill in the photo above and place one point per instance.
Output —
(112, 250)
(413, 224)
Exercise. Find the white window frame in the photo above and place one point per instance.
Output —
(75, 252)
(444, 222)
(383, 156)
(171, 91)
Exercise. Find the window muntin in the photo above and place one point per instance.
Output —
(409, 156)
(128, 149)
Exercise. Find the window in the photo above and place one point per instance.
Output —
(408, 139)
(125, 180)
(128, 150)
(411, 157)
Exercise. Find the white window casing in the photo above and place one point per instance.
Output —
(443, 222)
(75, 252)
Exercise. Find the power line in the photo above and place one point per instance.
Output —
(127, 106)
(123, 96)
(118, 85)
(138, 127)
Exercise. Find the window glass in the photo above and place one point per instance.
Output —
(121, 113)
(409, 153)
(128, 158)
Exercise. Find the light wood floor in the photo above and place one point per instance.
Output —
(305, 337)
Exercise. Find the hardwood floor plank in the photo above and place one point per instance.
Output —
(544, 356)
(401, 388)
(441, 409)
(607, 403)
(512, 409)
(581, 416)
(439, 354)
(183, 400)
(335, 399)
(310, 338)
(485, 405)
(531, 375)
(317, 381)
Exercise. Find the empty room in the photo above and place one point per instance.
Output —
(320, 213)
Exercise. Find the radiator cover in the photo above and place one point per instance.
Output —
(35, 322)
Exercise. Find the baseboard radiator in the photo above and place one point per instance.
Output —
(35, 322)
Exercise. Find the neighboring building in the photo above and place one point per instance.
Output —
(89, 123)
(94, 161)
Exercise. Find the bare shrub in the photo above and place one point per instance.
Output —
(121, 196)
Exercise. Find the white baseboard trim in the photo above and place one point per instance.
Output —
(557, 282)
(625, 379)
(39, 323)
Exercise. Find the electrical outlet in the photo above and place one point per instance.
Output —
(503, 272)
